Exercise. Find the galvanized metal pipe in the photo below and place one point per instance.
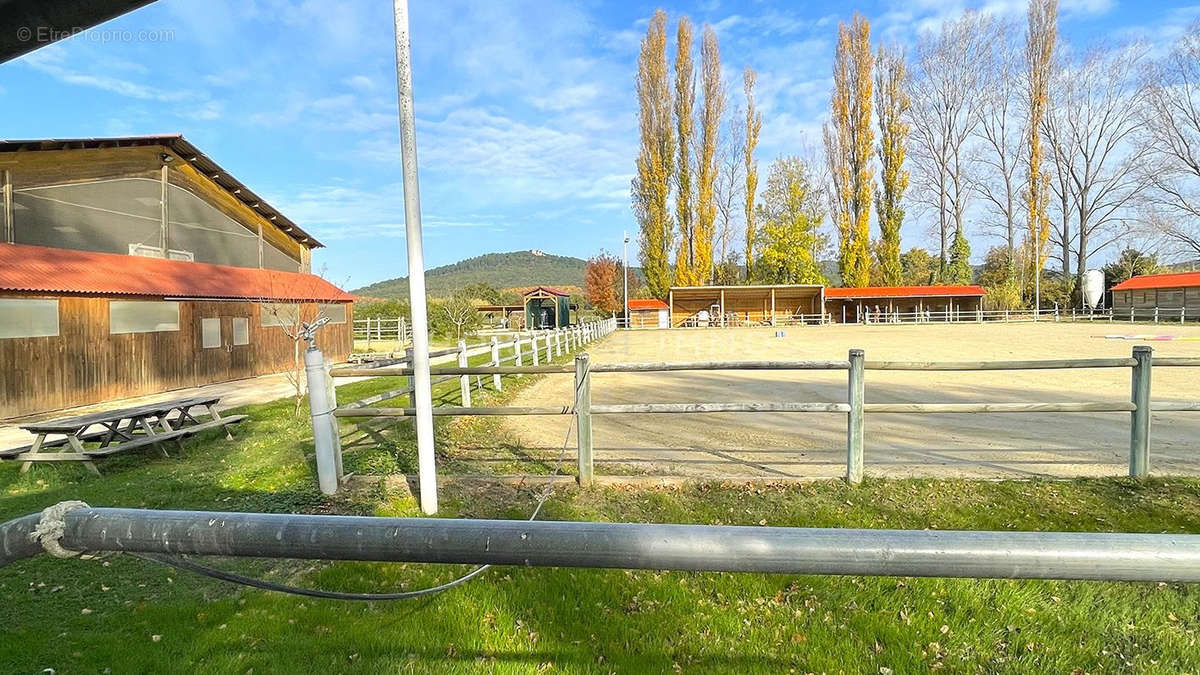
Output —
(1028, 555)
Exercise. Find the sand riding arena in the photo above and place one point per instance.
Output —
(813, 445)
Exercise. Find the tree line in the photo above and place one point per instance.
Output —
(982, 128)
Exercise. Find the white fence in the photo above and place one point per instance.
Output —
(380, 329)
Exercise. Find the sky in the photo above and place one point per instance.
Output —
(526, 117)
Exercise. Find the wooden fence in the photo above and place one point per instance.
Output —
(380, 329)
(854, 406)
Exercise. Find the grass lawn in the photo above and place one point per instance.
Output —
(124, 615)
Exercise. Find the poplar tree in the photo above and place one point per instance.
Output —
(685, 100)
(891, 108)
(710, 129)
(651, 186)
(849, 143)
(1039, 55)
(753, 126)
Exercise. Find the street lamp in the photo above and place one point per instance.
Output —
(625, 279)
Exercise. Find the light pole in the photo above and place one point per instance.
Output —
(625, 279)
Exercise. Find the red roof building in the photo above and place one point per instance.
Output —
(1172, 280)
(650, 304)
(1158, 297)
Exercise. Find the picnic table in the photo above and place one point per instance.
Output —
(119, 430)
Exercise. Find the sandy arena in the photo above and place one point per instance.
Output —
(812, 445)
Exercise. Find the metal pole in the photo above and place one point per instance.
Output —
(331, 401)
(625, 280)
(784, 550)
(322, 423)
(1139, 423)
(854, 419)
(426, 463)
(583, 417)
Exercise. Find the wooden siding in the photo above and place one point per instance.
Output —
(1163, 298)
(85, 364)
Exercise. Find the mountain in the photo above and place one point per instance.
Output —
(498, 270)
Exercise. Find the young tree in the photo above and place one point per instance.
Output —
(848, 149)
(710, 131)
(1130, 263)
(947, 95)
(791, 212)
(602, 286)
(919, 268)
(1039, 57)
(891, 108)
(460, 312)
(728, 198)
(685, 198)
(651, 186)
(753, 127)
(959, 270)
(1171, 126)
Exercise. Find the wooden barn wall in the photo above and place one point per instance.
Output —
(1163, 298)
(85, 364)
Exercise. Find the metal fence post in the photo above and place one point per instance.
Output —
(583, 417)
(319, 408)
(854, 430)
(464, 381)
(496, 362)
(1139, 427)
(331, 396)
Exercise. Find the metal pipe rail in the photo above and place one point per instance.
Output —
(1039, 364)
(709, 548)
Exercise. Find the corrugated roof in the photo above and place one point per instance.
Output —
(1174, 280)
(647, 304)
(186, 151)
(904, 291)
(41, 269)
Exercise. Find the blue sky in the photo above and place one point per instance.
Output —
(526, 116)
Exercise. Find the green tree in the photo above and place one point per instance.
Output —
(655, 162)
(482, 291)
(790, 216)
(848, 142)
(1130, 263)
(891, 108)
(917, 267)
(959, 271)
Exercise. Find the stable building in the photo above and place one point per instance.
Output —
(721, 306)
(546, 307)
(131, 266)
(883, 304)
(1158, 296)
(649, 313)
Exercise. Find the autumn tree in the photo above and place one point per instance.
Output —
(918, 267)
(1039, 57)
(710, 130)
(651, 185)
(891, 109)
(752, 129)
(946, 89)
(849, 139)
(790, 213)
(602, 286)
(685, 199)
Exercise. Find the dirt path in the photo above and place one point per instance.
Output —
(813, 445)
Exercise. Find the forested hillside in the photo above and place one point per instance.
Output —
(498, 270)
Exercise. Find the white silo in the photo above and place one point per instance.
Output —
(1093, 288)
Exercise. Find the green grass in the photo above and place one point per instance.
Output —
(125, 615)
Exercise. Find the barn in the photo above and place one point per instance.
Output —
(547, 307)
(1158, 296)
(136, 265)
(703, 306)
(649, 313)
(880, 304)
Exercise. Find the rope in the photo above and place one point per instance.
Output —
(51, 526)
(232, 577)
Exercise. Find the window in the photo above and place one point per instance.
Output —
(20, 317)
(278, 314)
(241, 330)
(142, 316)
(336, 313)
(210, 333)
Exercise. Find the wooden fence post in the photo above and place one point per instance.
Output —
(854, 424)
(496, 362)
(533, 347)
(517, 350)
(368, 333)
(401, 330)
(558, 342)
(583, 417)
(464, 381)
(1139, 425)
(412, 386)
(549, 348)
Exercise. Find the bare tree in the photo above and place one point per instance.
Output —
(1171, 125)
(730, 185)
(1000, 132)
(1095, 149)
(460, 311)
(947, 99)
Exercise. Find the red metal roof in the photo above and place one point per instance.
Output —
(41, 269)
(904, 291)
(1176, 280)
(549, 289)
(648, 304)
